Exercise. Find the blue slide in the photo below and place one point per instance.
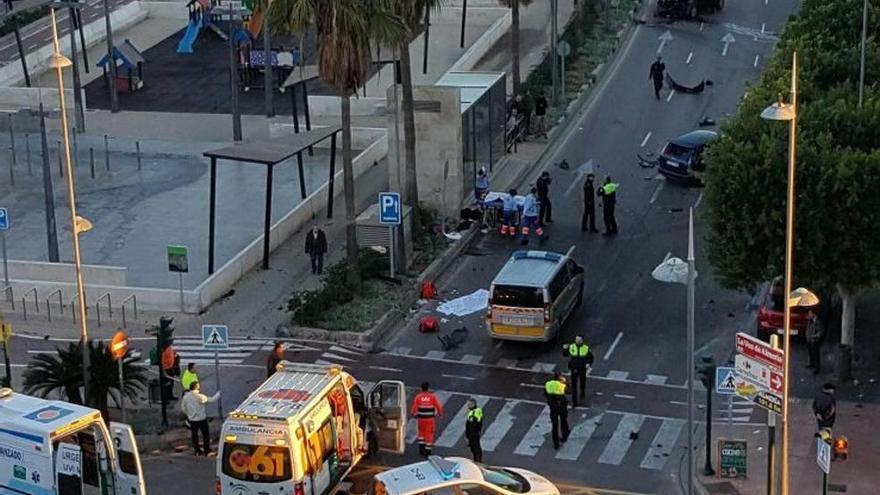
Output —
(192, 32)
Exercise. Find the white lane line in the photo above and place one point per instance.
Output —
(646, 138)
(662, 445)
(385, 368)
(657, 192)
(459, 377)
(435, 354)
(625, 396)
(613, 346)
(766, 2)
(671, 93)
(471, 358)
(534, 438)
(210, 354)
(668, 255)
(544, 367)
(690, 56)
(337, 358)
(701, 26)
(678, 403)
(503, 422)
(455, 429)
(763, 27)
(621, 440)
(699, 200)
(578, 438)
(346, 350)
(756, 61)
(618, 375)
(656, 379)
(403, 351)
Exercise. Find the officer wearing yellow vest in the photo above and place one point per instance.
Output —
(473, 428)
(579, 358)
(608, 193)
(554, 389)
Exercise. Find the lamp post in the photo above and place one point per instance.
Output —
(77, 224)
(787, 112)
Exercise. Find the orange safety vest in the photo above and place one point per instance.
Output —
(425, 405)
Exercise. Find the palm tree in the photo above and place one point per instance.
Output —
(514, 38)
(47, 374)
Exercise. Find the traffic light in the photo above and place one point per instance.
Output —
(706, 370)
(841, 448)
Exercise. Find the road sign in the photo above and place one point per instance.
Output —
(725, 380)
(769, 401)
(4, 219)
(823, 455)
(563, 48)
(119, 345)
(733, 458)
(178, 260)
(215, 337)
(5, 332)
(389, 208)
(759, 350)
(763, 376)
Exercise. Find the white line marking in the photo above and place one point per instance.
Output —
(699, 200)
(385, 368)
(657, 192)
(678, 403)
(543, 367)
(656, 379)
(336, 348)
(617, 375)
(578, 438)
(756, 61)
(534, 438)
(662, 445)
(471, 358)
(645, 140)
(620, 440)
(500, 426)
(403, 351)
(625, 396)
(766, 2)
(455, 428)
(701, 26)
(435, 355)
(459, 377)
(671, 93)
(337, 357)
(763, 27)
(613, 346)
(668, 255)
(690, 56)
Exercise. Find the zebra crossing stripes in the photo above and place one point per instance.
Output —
(455, 428)
(621, 439)
(579, 437)
(618, 375)
(662, 445)
(340, 355)
(534, 438)
(191, 351)
(498, 428)
(411, 425)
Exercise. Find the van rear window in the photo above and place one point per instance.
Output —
(517, 296)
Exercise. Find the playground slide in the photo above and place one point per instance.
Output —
(192, 32)
(255, 25)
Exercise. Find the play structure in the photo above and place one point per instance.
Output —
(131, 62)
(204, 14)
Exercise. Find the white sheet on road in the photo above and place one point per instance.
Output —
(465, 305)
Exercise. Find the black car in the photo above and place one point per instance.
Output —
(687, 9)
(681, 158)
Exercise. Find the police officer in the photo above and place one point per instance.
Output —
(608, 193)
(473, 428)
(579, 358)
(426, 408)
(589, 216)
(655, 74)
(545, 214)
(554, 389)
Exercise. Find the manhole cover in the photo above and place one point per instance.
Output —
(722, 488)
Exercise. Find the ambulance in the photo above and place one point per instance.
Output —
(303, 430)
(50, 447)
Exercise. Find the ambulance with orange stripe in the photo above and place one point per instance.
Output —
(533, 295)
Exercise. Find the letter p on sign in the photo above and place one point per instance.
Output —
(389, 208)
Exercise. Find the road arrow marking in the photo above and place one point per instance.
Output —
(727, 40)
(581, 172)
(664, 38)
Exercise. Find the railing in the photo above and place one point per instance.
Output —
(24, 301)
(49, 306)
(134, 300)
(73, 306)
(105, 295)
(10, 295)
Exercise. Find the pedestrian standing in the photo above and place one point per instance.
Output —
(193, 407)
(171, 365)
(579, 359)
(825, 407)
(545, 215)
(589, 217)
(554, 390)
(508, 214)
(540, 114)
(316, 246)
(814, 333)
(656, 74)
(276, 357)
(426, 408)
(608, 193)
(522, 108)
(482, 184)
(529, 220)
(189, 376)
(473, 428)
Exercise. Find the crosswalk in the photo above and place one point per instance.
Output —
(192, 351)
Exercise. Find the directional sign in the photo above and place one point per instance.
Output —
(725, 380)
(759, 350)
(760, 374)
(215, 337)
(389, 208)
(823, 455)
(769, 401)
(4, 219)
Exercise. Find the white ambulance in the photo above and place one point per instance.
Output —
(50, 447)
(304, 429)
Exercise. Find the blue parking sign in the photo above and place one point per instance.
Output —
(389, 208)
(4, 219)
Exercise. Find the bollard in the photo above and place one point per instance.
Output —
(107, 152)
(137, 147)
(27, 146)
(11, 173)
(12, 141)
(92, 161)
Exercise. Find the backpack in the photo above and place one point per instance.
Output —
(429, 324)
(428, 290)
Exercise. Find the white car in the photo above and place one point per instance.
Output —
(459, 476)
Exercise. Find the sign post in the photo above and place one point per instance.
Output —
(390, 214)
(216, 338)
(4, 226)
(119, 348)
(178, 261)
(563, 48)
(823, 456)
(759, 376)
(732, 458)
(5, 335)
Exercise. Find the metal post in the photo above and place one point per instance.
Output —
(824, 483)
(233, 80)
(137, 150)
(730, 410)
(267, 66)
(391, 251)
(554, 9)
(12, 139)
(427, 35)
(267, 221)
(92, 161)
(305, 92)
(302, 177)
(180, 284)
(397, 169)
(862, 59)
(111, 63)
(463, 22)
(48, 191)
(75, 149)
(11, 170)
(707, 467)
(27, 150)
(79, 117)
(5, 264)
(690, 352)
(562, 78)
(82, 40)
(23, 57)
(60, 162)
(771, 438)
(8, 381)
(294, 112)
(107, 152)
(212, 206)
(332, 176)
(217, 378)
(121, 389)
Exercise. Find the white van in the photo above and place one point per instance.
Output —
(50, 447)
(304, 429)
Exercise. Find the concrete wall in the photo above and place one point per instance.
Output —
(485, 43)
(64, 272)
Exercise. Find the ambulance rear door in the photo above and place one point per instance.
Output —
(387, 400)
(129, 474)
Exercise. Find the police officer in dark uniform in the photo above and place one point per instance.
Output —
(608, 193)
(554, 390)
(579, 358)
(545, 214)
(589, 216)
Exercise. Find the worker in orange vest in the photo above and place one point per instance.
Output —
(426, 407)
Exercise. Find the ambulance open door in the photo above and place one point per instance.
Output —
(129, 474)
(387, 401)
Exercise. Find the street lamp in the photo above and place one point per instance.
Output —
(77, 223)
(787, 112)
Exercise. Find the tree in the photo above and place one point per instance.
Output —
(344, 30)
(514, 38)
(837, 244)
(48, 374)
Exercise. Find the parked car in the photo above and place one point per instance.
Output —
(687, 9)
(681, 158)
(770, 313)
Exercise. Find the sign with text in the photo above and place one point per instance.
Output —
(763, 376)
(725, 380)
(732, 458)
(759, 350)
(389, 208)
(769, 401)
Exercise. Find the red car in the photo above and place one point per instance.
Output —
(770, 314)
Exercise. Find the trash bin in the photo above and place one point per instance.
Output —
(844, 363)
